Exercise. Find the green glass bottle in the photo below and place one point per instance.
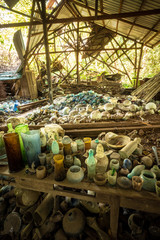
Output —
(22, 128)
(91, 164)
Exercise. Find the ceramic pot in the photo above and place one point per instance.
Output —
(74, 217)
(42, 158)
(74, 147)
(12, 145)
(135, 223)
(124, 182)
(137, 183)
(32, 146)
(114, 163)
(149, 180)
(41, 172)
(112, 177)
(100, 179)
(75, 174)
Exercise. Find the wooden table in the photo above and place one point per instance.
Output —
(116, 197)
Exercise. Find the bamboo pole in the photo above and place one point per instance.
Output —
(47, 50)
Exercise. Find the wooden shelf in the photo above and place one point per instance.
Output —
(116, 197)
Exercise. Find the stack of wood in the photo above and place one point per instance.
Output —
(149, 89)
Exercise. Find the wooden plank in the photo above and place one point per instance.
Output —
(114, 216)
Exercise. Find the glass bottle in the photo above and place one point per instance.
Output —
(87, 142)
(59, 171)
(22, 128)
(55, 147)
(32, 146)
(15, 162)
(91, 165)
(67, 145)
(10, 128)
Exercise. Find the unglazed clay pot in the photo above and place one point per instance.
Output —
(73, 222)
(137, 183)
(135, 223)
(75, 174)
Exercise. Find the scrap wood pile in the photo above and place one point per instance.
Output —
(149, 89)
(106, 84)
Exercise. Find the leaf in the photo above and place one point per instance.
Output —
(11, 46)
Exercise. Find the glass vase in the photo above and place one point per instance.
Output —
(15, 162)
(32, 146)
(59, 171)
(22, 128)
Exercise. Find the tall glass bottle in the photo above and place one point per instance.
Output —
(67, 145)
(22, 128)
(32, 146)
(15, 162)
(91, 165)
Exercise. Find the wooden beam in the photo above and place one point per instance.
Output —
(29, 36)
(77, 55)
(88, 19)
(139, 65)
(43, 4)
(88, 50)
(120, 7)
(96, 8)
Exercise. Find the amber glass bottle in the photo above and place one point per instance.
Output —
(13, 151)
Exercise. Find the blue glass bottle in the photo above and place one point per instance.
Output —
(32, 146)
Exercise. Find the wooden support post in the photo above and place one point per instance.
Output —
(114, 216)
(139, 65)
(47, 50)
(77, 55)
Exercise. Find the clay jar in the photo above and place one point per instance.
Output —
(41, 172)
(137, 183)
(114, 163)
(75, 174)
(59, 172)
(74, 222)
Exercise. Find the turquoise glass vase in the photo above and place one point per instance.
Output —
(22, 128)
(32, 146)
(91, 165)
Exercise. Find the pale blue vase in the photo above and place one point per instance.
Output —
(32, 146)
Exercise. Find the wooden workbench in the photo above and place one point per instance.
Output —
(116, 197)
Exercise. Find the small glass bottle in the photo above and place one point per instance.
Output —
(55, 147)
(67, 145)
(87, 142)
(13, 151)
(91, 165)
(22, 128)
(59, 171)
